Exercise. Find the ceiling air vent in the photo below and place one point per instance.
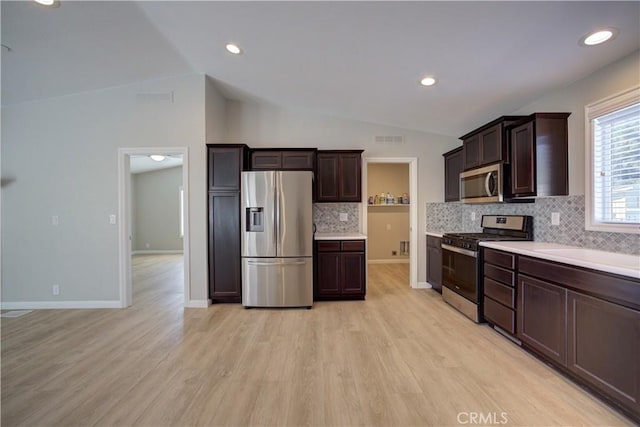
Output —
(154, 97)
(388, 139)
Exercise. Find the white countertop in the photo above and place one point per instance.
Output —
(435, 233)
(624, 264)
(339, 236)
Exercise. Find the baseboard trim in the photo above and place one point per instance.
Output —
(157, 252)
(197, 303)
(389, 261)
(423, 285)
(58, 305)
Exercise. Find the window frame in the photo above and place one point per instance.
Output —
(596, 109)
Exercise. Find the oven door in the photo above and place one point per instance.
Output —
(460, 271)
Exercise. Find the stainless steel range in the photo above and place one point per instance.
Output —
(462, 263)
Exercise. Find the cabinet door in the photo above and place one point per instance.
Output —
(298, 160)
(523, 179)
(349, 177)
(352, 274)
(328, 274)
(542, 317)
(604, 347)
(225, 277)
(223, 168)
(491, 145)
(266, 160)
(327, 179)
(452, 169)
(471, 152)
(434, 267)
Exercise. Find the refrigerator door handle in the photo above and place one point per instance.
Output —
(276, 263)
(276, 207)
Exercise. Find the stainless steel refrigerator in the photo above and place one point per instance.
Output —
(277, 239)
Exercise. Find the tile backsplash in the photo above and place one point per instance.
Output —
(443, 217)
(326, 217)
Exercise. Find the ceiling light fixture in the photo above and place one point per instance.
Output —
(157, 157)
(599, 37)
(233, 48)
(52, 3)
(428, 81)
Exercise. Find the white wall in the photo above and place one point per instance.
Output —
(156, 210)
(614, 78)
(60, 158)
(263, 125)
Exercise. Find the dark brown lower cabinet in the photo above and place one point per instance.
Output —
(340, 270)
(434, 263)
(604, 346)
(542, 317)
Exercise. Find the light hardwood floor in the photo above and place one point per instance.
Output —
(402, 357)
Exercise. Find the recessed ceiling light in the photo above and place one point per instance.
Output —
(157, 157)
(428, 81)
(233, 48)
(598, 37)
(48, 2)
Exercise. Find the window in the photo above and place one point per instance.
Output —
(613, 163)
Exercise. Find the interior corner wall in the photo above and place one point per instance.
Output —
(614, 78)
(60, 158)
(215, 113)
(264, 125)
(156, 210)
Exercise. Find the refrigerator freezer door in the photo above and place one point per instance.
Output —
(294, 214)
(258, 214)
(277, 282)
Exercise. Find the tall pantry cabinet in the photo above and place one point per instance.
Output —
(225, 162)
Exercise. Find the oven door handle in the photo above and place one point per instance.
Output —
(467, 252)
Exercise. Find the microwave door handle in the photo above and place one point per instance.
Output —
(486, 184)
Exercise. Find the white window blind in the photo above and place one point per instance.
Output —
(615, 171)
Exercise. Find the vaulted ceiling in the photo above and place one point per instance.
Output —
(357, 60)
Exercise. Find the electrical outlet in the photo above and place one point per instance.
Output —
(55, 220)
(112, 219)
(555, 218)
(55, 289)
(344, 217)
(473, 216)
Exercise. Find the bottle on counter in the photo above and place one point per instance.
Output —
(376, 200)
(370, 200)
(383, 198)
(389, 198)
(405, 199)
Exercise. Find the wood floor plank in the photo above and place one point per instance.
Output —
(401, 357)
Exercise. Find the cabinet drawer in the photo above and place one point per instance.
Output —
(353, 246)
(499, 315)
(501, 275)
(502, 259)
(298, 160)
(610, 287)
(499, 292)
(328, 246)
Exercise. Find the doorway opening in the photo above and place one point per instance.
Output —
(391, 223)
(153, 234)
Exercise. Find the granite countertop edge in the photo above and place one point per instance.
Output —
(340, 236)
(611, 262)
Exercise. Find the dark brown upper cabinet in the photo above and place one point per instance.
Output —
(276, 159)
(224, 163)
(339, 176)
(539, 156)
(487, 144)
(452, 169)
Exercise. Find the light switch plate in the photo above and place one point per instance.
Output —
(344, 216)
(555, 218)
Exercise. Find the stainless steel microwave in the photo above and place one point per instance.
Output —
(482, 185)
